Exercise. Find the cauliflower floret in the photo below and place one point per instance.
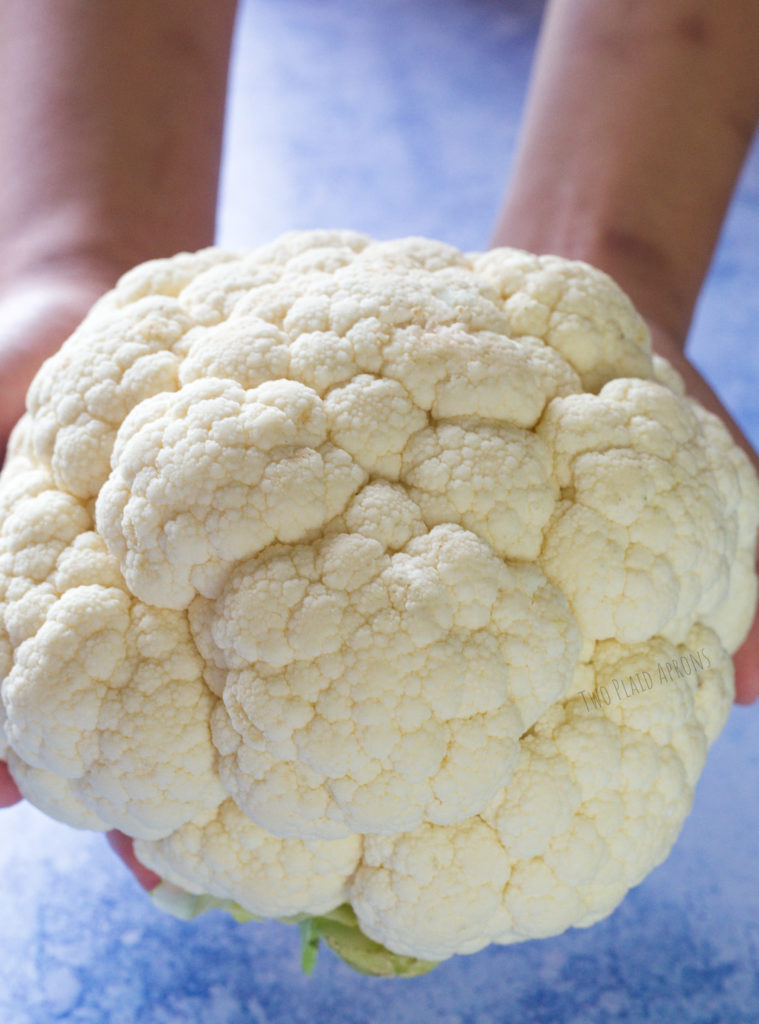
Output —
(224, 853)
(209, 476)
(647, 532)
(304, 635)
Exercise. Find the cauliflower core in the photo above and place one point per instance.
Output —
(327, 572)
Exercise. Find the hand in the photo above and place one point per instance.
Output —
(35, 319)
(121, 844)
(746, 659)
(9, 793)
(36, 316)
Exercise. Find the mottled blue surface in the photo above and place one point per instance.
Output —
(399, 117)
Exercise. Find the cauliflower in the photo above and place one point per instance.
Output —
(374, 586)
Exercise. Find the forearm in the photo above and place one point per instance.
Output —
(638, 120)
(110, 130)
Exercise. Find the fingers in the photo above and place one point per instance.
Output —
(123, 845)
(35, 318)
(746, 661)
(9, 792)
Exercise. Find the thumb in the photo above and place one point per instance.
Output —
(9, 792)
(746, 659)
(123, 846)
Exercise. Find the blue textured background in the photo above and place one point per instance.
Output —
(399, 117)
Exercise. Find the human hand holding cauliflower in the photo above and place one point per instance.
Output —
(322, 566)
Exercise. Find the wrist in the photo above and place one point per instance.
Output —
(64, 250)
(37, 313)
(632, 142)
(648, 274)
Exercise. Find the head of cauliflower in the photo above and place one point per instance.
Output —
(373, 585)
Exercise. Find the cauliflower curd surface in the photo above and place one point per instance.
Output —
(373, 573)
